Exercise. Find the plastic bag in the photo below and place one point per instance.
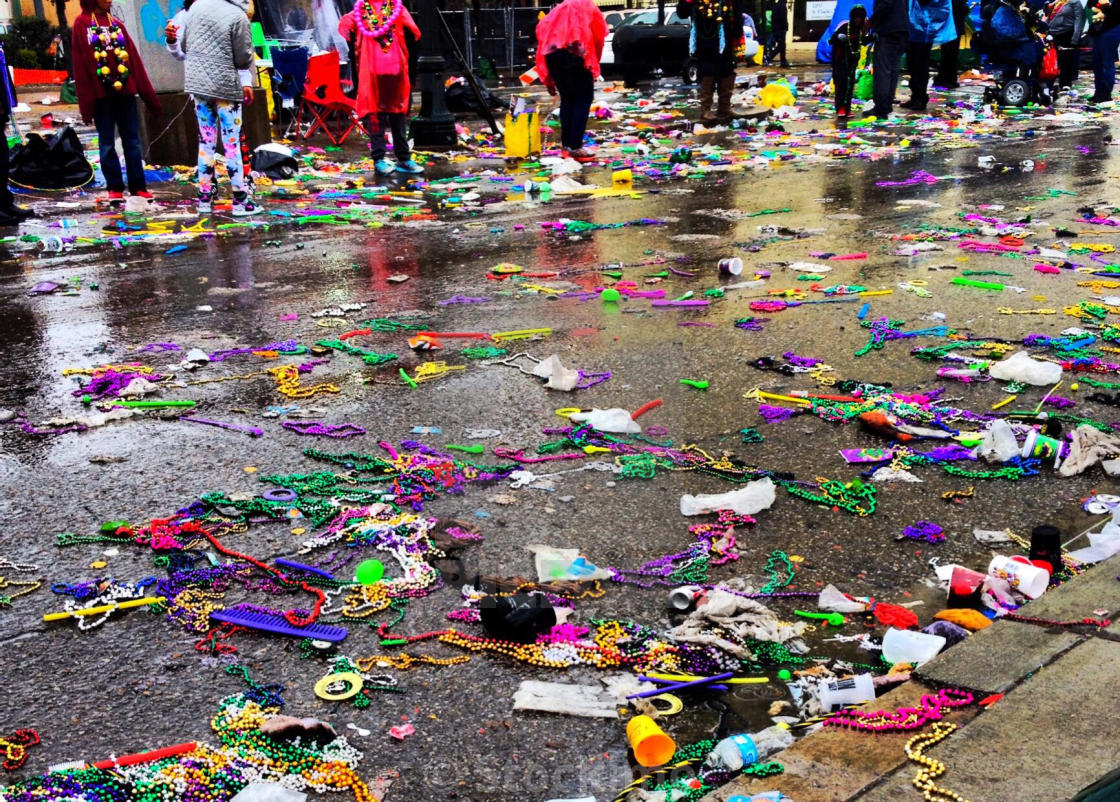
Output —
(614, 421)
(746, 500)
(564, 565)
(1049, 69)
(1019, 367)
(864, 85)
(998, 443)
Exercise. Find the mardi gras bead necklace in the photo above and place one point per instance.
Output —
(106, 39)
(377, 19)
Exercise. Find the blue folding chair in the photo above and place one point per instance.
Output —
(289, 74)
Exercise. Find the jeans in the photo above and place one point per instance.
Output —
(947, 70)
(212, 115)
(576, 88)
(110, 115)
(1105, 45)
(844, 79)
(889, 48)
(917, 61)
(375, 125)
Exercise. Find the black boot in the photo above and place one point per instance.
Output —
(19, 212)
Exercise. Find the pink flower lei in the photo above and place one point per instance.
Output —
(371, 21)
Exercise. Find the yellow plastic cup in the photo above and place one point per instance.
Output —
(652, 747)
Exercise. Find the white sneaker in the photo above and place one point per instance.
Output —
(244, 206)
(205, 204)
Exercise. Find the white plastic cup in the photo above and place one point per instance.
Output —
(731, 266)
(1030, 580)
(845, 692)
(908, 646)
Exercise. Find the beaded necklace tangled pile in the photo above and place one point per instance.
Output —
(244, 755)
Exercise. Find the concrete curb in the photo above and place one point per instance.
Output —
(1057, 717)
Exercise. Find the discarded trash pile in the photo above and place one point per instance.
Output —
(341, 559)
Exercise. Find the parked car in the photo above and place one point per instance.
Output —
(615, 20)
(639, 46)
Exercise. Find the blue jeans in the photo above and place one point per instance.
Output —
(112, 114)
(1105, 45)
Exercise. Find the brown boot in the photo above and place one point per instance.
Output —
(707, 90)
(723, 110)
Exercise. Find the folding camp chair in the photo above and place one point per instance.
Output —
(323, 100)
(289, 66)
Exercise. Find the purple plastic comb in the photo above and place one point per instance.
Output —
(271, 622)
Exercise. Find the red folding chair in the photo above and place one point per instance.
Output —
(323, 101)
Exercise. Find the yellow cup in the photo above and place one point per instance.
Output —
(652, 747)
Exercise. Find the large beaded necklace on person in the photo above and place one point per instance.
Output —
(106, 39)
(377, 19)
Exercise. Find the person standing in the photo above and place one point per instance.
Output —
(949, 67)
(10, 213)
(108, 76)
(847, 41)
(1105, 27)
(380, 56)
(171, 40)
(717, 28)
(890, 24)
(779, 32)
(569, 45)
(217, 44)
(928, 22)
(1066, 23)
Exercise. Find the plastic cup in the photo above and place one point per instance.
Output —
(1043, 447)
(908, 646)
(369, 572)
(845, 692)
(1030, 580)
(652, 747)
(965, 588)
(731, 266)
(1046, 545)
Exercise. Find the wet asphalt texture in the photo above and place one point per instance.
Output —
(138, 682)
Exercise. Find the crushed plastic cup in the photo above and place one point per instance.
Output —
(1030, 580)
(986, 162)
(908, 646)
(1027, 165)
(731, 266)
(965, 587)
(845, 692)
(652, 747)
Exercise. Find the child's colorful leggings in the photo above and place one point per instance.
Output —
(213, 114)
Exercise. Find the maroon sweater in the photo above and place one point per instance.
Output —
(87, 83)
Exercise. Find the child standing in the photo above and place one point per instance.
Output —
(217, 44)
(848, 41)
(377, 28)
(108, 75)
(171, 38)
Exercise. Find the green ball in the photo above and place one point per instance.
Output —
(369, 572)
(784, 675)
(610, 294)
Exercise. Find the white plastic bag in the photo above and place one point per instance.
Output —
(1019, 367)
(746, 500)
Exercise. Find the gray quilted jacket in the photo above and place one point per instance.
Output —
(217, 43)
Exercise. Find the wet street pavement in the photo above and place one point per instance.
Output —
(256, 299)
